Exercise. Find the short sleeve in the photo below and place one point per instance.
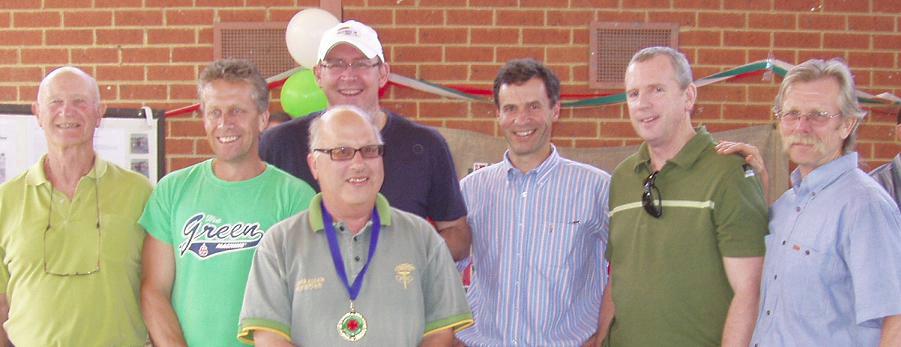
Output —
(158, 214)
(267, 304)
(445, 300)
(740, 215)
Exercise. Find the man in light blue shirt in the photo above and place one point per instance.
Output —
(539, 226)
(832, 274)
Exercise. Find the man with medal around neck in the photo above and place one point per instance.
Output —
(376, 276)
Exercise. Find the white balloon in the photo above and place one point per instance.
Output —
(304, 33)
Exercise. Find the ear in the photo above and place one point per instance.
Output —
(556, 110)
(311, 163)
(848, 125)
(317, 71)
(384, 71)
(34, 110)
(102, 110)
(691, 95)
(264, 120)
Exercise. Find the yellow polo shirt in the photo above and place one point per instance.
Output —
(51, 305)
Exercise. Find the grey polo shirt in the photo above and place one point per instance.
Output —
(293, 289)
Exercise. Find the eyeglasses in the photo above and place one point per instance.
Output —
(337, 67)
(68, 252)
(815, 118)
(348, 153)
(650, 197)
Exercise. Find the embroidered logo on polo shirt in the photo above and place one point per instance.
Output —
(404, 273)
(206, 236)
(309, 284)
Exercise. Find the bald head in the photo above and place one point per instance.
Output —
(92, 86)
(338, 117)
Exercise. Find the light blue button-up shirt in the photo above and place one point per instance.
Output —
(833, 261)
(538, 252)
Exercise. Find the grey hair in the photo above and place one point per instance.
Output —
(316, 124)
(676, 58)
(236, 70)
(816, 69)
(69, 69)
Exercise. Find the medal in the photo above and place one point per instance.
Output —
(352, 325)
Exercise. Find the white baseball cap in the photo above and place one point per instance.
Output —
(355, 34)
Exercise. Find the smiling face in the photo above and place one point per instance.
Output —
(346, 184)
(357, 87)
(658, 107)
(525, 116)
(68, 109)
(232, 121)
(812, 145)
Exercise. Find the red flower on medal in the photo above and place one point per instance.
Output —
(353, 325)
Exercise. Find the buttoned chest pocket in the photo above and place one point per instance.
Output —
(809, 272)
(552, 249)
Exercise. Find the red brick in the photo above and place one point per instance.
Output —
(142, 92)
(67, 3)
(397, 36)
(798, 5)
(772, 21)
(520, 18)
(507, 53)
(889, 42)
(568, 54)
(751, 5)
(145, 55)
(871, 23)
(69, 37)
(876, 132)
(419, 17)
(412, 94)
(189, 17)
(400, 107)
(87, 19)
(697, 4)
(480, 126)
(444, 109)
(117, 3)
(393, 3)
(226, 16)
(139, 18)
(29, 93)
(443, 35)
(470, 17)
(501, 36)
(575, 128)
(594, 143)
(8, 94)
(45, 56)
(886, 6)
(846, 41)
(886, 79)
(179, 146)
(374, 17)
(219, 3)
(843, 6)
(569, 18)
(205, 36)
(617, 130)
(747, 112)
(176, 163)
(804, 55)
(120, 73)
(721, 93)
(171, 73)
(94, 55)
(120, 36)
(469, 54)
(43, 19)
(432, 72)
(418, 54)
(706, 109)
(192, 54)
(817, 21)
(684, 19)
(21, 38)
(731, 57)
(182, 92)
(404, 69)
(721, 20)
(483, 72)
(646, 4)
(621, 16)
(9, 56)
(20, 74)
(20, 4)
(700, 38)
(885, 151)
(546, 36)
(796, 40)
(164, 36)
(871, 59)
(5, 20)
(747, 39)
(593, 4)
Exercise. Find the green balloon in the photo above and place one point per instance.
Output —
(301, 95)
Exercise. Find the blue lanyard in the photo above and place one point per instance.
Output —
(352, 290)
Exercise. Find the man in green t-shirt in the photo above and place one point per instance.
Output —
(205, 221)
(686, 224)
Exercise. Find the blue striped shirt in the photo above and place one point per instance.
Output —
(538, 246)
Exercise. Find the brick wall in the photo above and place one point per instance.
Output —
(150, 51)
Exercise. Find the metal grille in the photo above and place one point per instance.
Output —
(261, 43)
(613, 44)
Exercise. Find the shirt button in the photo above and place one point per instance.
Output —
(807, 252)
(524, 194)
(355, 240)
(357, 258)
(341, 227)
(775, 276)
(798, 209)
(767, 312)
(783, 242)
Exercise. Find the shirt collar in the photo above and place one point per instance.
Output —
(541, 171)
(824, 175)
(36, 175)
(687, 156)
(315, 211)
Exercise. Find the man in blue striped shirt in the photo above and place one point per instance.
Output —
(539, 226)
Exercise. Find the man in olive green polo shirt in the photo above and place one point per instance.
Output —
(70, 243)
(687, 225)
(352, 268)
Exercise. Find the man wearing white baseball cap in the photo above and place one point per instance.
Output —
(419, 172)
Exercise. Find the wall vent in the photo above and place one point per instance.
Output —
(613, 44)
(261, 43)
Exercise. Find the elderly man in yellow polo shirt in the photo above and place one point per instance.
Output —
(70, 245)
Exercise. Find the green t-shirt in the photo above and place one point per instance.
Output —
(214, 227)
(668, 282)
